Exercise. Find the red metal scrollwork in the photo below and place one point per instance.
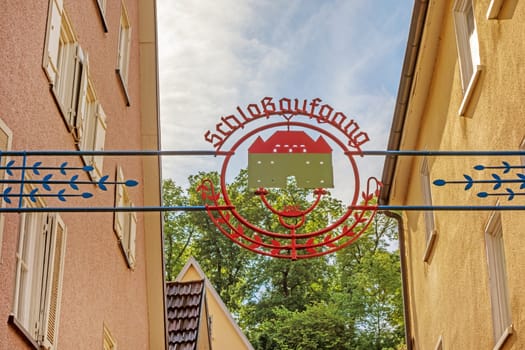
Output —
(292, 240)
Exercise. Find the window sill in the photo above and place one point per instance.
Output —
(469, 92)
(13, 322)
(501, 341)
(102, 17)
(124, 87)
(494, 9)
(430, 245)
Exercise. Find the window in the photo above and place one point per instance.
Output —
(430, 230)
(499, 294)
(125, 222)
(124, 48)
(108, 342)
(439, 344)
(64, 63)
(5, 145)
(468, 49)
(101, 4)
(91, 130)
(39, 270)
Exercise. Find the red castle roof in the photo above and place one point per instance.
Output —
(290, 142)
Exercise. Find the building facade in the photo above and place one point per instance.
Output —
(461, 89)
(212, 326)
(80, 76)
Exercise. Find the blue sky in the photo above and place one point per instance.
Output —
(218, 54)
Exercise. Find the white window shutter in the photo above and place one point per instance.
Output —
(54, 269)
(54, 23)
(72, 103)
(132, 226)
(100, 139)
(82, 102)
(119, 218)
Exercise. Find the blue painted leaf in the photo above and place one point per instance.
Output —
(45, 182)
(87, 195)
(507, 167)
(479, 167)
(32, 195)
(63, 168)
(72, 182)
(8, 167)
(61, 195)
(101, 182)
(511, 194)
(440, 182)
(88, 168)
(35, 168)
(497, 184)
(469, 182)
(6, 195)
(521, 176)
(483, 194)
(131, 183)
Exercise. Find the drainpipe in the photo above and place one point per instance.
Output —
(404, 282)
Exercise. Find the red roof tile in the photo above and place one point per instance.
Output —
(184, 301)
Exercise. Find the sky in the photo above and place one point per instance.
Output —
(215, 55)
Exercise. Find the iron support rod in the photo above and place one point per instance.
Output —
(226, 207)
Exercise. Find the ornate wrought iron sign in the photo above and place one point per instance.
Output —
(284, 147)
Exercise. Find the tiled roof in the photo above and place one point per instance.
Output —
(184, 302)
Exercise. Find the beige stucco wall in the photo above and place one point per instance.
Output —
(98, 287)
(449, 294)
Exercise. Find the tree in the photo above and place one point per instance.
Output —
(348, 300)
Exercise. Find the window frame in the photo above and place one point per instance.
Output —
(125, 222)
(101, 6)
(124, 52)
(3, 174)
(467, 43)
(91, 131)
(66, 65)
(39, 274)
(108, 341)
(430, 220)
(498, 280)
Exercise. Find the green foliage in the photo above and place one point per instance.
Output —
(348, 300)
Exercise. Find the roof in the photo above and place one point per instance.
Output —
(290, 142)
(211, 294)
(405, 85)
(184, 302)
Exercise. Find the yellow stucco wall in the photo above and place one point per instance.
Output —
(449, 295)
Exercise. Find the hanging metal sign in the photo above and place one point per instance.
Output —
(292, 138)
(276, 139)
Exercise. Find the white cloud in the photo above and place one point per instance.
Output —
(215, 55)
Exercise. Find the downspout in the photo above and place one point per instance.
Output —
(417, 25)
(404, 282)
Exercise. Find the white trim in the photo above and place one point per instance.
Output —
(430, 244)
(466, 41)
(506, 334)
(439, 344)
(430, 220)
(497, 273)
(467, 96)
(192, 262)
(494, 9)
(4, 160)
